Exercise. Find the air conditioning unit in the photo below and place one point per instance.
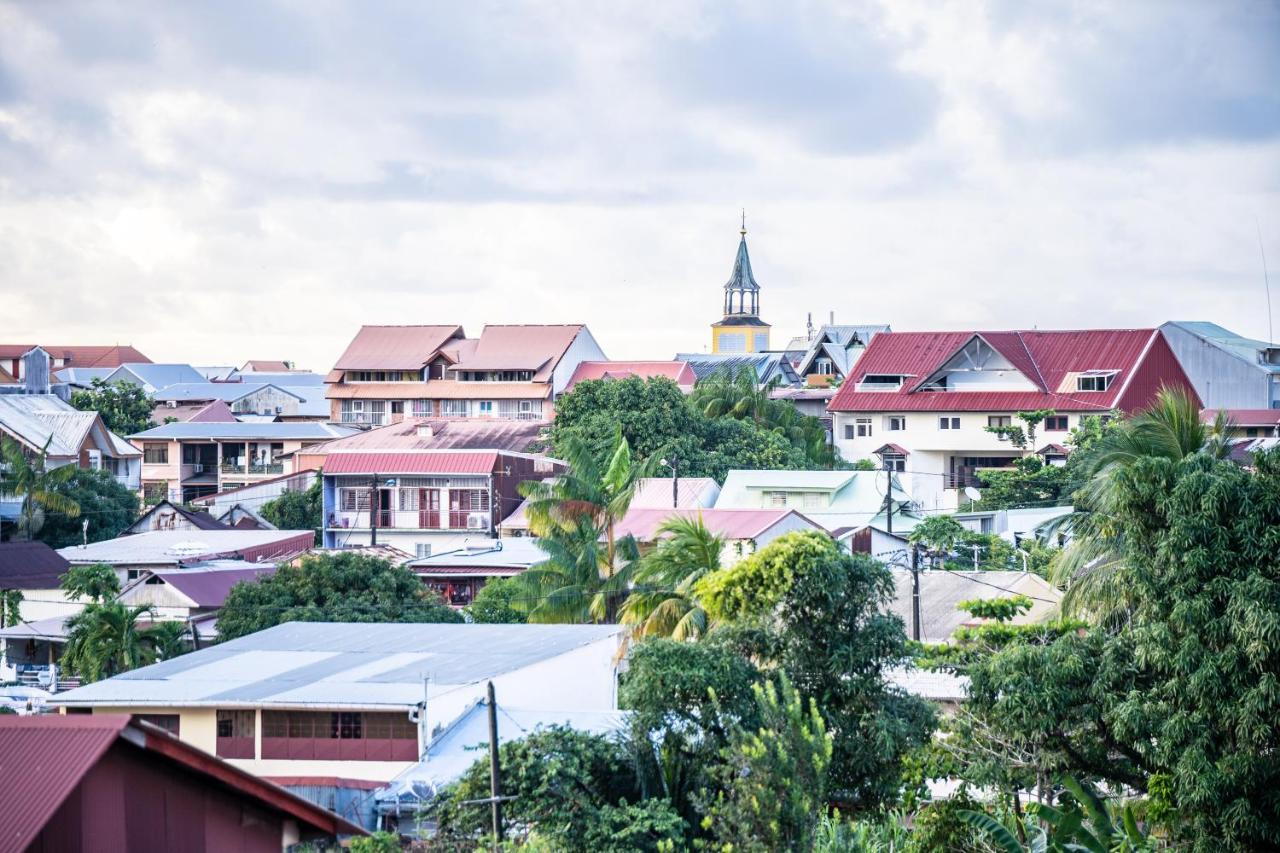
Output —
(173, 404)
(478, 521)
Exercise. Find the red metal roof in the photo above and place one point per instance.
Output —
(1046, 358)
(1245, 417)
(730, 524)
(81, 356)
(394, 347)
(678, 372)
(426, 462)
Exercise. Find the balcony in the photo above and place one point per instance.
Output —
(253, 469)
(444, 521)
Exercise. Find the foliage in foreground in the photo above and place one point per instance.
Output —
(331, 587)
(108, 505)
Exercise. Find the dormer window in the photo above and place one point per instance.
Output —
(881, 382)
(1095, 380)
(825, 367)
(1270, 355)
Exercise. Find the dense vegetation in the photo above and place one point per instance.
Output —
(298, 510)
(331, 587)
(726, 423)
(108, 506)
(125, 408)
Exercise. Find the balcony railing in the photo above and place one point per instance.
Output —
(254, 468)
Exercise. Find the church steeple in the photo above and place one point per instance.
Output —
(741, 330)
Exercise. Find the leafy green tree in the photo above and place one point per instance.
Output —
(678, 729)
(661, 601)
(105, 639)
(771, 786)
(495, 603)
(1177, 701)
(124, 407)
(28, 476)
(728, 443)
(575, 517)
(298, 510)
(653, 415)
(938, 536)
(331, 587)
(1028, 482)
(10, 607)
(168, 639)
(822, 616)
(108, 505)
(96, 583)
(572, 790)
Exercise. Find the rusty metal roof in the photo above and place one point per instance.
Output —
(394, 347)
(422, 462)
(536, 348)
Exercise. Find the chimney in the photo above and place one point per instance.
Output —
(833, 318)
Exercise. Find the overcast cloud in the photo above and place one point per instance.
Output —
(228, 180)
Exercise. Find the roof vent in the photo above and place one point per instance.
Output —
(425, 430)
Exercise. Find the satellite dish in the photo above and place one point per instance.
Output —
(972, 494)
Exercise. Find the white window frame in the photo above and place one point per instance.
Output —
(891, 420)
(862, 427)
(948, 422)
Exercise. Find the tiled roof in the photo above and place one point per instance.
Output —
(30, 565)
(421, 462)
(677, 371)
(1047, 359)
(394, 347)
(536, 348)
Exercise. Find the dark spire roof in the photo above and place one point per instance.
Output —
(741, 278)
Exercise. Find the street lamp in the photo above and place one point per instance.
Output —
(675, 481)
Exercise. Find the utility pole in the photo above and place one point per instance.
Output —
(975, 558)
(373, 511)
(888, 496)
(675, 484)
(915, 592)
(495, 771)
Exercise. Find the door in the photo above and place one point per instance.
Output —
(429, 508)
(386, 517)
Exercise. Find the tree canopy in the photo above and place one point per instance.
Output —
(125, 408)
(107, 504)
(297, 510)
(331, 587)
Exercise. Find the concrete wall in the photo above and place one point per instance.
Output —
(583, 348)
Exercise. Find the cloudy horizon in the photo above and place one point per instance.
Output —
(213, 182)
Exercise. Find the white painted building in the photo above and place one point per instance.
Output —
(922, 403)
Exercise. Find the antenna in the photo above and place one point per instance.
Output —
(1266, 283)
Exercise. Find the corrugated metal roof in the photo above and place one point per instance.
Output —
(1045, 358)
(43, 759)
(1245, 417)
(299, 430)
(421, 462)
(692, 492)
(155, 376)
(174, 547)
(394, 347)
(30, 565)
(942, 591)
(518, 552)
(327, 664)
(439, 434)
(81, 356)
(732, 524)
(678, 372)
(441, 389)
(536, 348)
(210, 588)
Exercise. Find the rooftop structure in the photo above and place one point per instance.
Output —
(833, 499)
(678, 372)
(834, 350)
(768, 367)
(69, 356)
(115, 782)
(459, 574)
(30, 565)
(152, 377)
(174, 548)
(414, 434)
(1228, 370)
(744, 531)
(741, 329)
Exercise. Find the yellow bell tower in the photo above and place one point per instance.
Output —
(741, 329)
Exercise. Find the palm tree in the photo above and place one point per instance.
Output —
(938, 535)
(736, 394)
(575, 515)
(105, 639)
(28, 477)
(1091, 568)
(662, 602)
(166, 640)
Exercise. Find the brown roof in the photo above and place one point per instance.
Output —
(216, 411)
(266, 366)
(81, 356)
(678, 372)
(460, 434)
(394, 347)
(536, 348)
(440, 389)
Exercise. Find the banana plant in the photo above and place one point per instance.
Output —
(1080, 823)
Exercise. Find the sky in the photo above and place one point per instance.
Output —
(219, 181)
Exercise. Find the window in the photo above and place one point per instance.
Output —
(423, 550)
(155, 454)
(235, 734)
(862, 427)
(453, 408)
(155, 491)
(171, 723)
(813, 500)
(408, 500)
(1055, 423)
(1094, 381)
(732, 343)
(885, 379)
(999, 421)
(848, 430)
(1252, 432)
(422, 408)
(397, 407)
(894, 461)
(825, 367)
(775, 499)
(761, 341)
(338, 735)
(895, 423)
(948, 423)
(486, 408)
(354, 500)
